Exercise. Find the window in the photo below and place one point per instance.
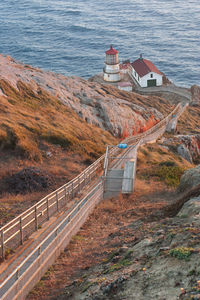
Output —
(151, 75)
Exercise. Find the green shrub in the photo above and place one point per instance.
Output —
(164, 172)
(181, 252)
(171, 175)
(167, 163)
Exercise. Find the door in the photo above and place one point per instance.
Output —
(151, 82)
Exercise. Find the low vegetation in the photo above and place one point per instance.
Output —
(181, 252)
(38, 131)
(30, 120)
(158, 163)
(189, 121)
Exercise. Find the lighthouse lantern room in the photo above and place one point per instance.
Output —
(111, 71)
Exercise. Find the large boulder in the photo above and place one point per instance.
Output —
(192, 144)
(191, 210)
(190, 179)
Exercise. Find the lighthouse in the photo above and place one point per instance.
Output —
(111, 71)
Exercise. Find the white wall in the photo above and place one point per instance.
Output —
(111, 68)
(143, 80)
(158, 77)
(111, 73)
(125, 88)
(111, 77)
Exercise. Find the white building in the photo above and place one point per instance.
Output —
(111, 71)
(146, 73)
(125, 86)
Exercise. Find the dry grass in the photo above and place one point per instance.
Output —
(37, 130)
(110, 226)
(189, 121)
(29, 119)
(160, 164)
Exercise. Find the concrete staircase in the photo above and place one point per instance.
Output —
(113, 182)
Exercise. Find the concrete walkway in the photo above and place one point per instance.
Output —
(183, 92)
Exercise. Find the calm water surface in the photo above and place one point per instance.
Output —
(70, 37)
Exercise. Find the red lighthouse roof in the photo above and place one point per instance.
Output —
(143, 66)
(111, 51)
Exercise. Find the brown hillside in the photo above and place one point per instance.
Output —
(37, 130)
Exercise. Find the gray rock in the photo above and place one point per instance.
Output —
(191, 209)
(184, 152)
(88, 100)
(190, 179)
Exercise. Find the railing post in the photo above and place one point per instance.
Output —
(2, 245)
(21, 230)
(47, 208)
(57, 204)
(36, 219)
(84, 176)
(17, 274)
(72, 190)
(65, 195)
(79, 184)
(84, 179)
(89, 176)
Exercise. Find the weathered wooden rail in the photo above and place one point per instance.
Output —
(24, 277)
(17, 230)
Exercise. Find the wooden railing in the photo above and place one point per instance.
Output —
(23, 278)
(20, 228)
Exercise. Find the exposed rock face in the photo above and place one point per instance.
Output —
(190, 179)
(195, 90)
(184, 152)
(190, 147)
(191, 209)
(89, 100)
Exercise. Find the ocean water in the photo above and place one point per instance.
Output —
(70, 37)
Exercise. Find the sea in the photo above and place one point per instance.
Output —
(71, 37)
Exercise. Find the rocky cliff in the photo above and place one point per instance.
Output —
(122, 115)
(187, 146)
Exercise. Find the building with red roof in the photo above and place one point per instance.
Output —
(145, 73)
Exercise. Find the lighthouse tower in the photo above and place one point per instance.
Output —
(111, 71)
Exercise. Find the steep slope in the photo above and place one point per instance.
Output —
(119, 113)
(51, 127)
(134, 247)
(30, 119)
(43, 144)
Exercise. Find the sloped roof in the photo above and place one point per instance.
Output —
(144, 66)
(124, 83)
(111, 51)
